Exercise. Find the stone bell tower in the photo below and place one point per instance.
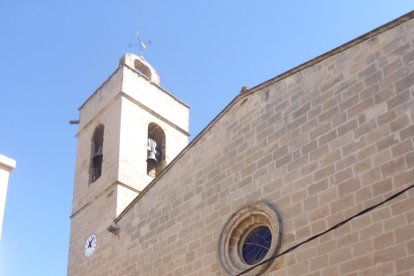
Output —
(129, 130)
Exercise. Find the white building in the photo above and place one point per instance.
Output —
(6, 166)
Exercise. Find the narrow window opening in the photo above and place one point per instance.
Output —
(95, 169)
(155, 150)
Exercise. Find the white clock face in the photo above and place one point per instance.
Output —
(90, 245)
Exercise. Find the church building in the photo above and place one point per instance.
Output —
(308, 173)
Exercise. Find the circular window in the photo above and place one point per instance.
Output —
(251, 235)
(256, 245)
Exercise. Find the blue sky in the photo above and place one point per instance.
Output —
(54, 54)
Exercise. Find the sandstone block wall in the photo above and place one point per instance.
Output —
(84, 192)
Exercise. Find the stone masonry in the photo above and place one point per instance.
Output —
(320, 143)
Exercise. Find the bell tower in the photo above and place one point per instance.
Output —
(129, 130)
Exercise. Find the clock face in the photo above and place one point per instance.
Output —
(90, 245)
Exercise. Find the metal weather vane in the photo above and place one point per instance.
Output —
(142, 45)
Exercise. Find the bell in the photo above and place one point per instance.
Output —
(151, 156)
(98, 154)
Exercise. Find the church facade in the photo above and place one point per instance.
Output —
(309, 173)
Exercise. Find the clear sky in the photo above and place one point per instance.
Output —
(54, 54)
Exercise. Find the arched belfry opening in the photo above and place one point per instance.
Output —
(143, 68)
(95, 169)
(155, 150)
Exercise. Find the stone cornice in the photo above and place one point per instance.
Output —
(100, 194)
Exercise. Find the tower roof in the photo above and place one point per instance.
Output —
(141, 65)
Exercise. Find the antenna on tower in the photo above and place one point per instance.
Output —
(142, 45)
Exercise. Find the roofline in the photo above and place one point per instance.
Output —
(99, 88)
(140, 75)
(182, 153)
(122, 94)
(387, 26)
(156, 85)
